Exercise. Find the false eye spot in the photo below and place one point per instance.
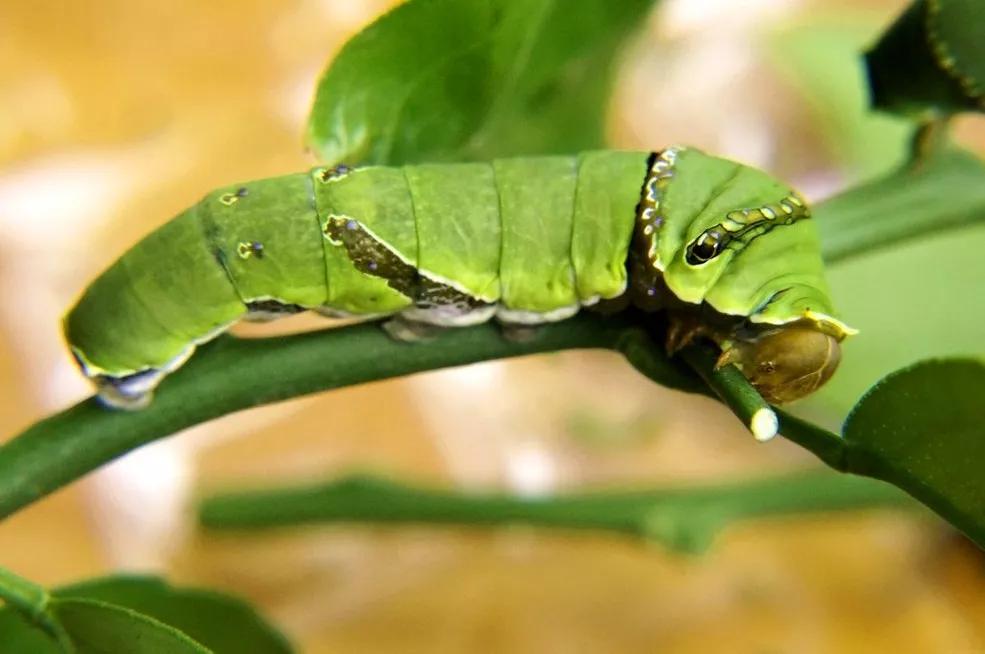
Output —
(248, 249)
(707, 246)
(339, 171)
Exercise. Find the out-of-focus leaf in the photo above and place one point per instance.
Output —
(944, 191)
(95, 628)
(20, 637)
(220, 622)
(472, 79)
(98, 628)
(957, 28)
(142, 615)
(923, 429)
(931, 58)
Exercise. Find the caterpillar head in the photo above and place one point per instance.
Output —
(788, 363)
(735, 241)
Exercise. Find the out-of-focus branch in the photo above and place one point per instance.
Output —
(683, 518)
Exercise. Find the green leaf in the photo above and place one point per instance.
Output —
(98, 628)
(931, 59)
(956, 29)
(140, 615)
(220, 622)
(945, 191)
(472, 79)
(21, 637)
(923, 429)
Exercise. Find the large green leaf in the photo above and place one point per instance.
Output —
(931, 58)
(220, 622)
(99, 628)
(944, 191)
(132, 614)
(472, 79)
(923, 428)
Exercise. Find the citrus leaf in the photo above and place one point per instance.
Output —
(140, 615)
(945, 191)
(923, 429)
(931, 58)
(472, 79)
(98, 628)
(221, 622)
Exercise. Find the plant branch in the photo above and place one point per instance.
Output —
(735, 390)
(684, 519)
(231, 374)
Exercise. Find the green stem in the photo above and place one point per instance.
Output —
(32, 601)
(232, 374)
(929, 140)
(825, 445)
(684, 519)
(735, 390)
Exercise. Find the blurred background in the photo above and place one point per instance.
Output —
(114, 116)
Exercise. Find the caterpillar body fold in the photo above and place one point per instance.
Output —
(728, 252)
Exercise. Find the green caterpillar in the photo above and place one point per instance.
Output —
(727, 251)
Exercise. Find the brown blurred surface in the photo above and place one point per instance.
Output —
(116, 115)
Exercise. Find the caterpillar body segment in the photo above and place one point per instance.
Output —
(525, 240)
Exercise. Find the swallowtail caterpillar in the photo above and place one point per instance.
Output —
(726, 251)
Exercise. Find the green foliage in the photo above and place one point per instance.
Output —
(445, 80)
(931, 59)
(944, 191)
(142, 615)
(926, 424)
(919, 429)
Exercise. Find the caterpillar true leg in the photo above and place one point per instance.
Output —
(401, 328)
(518, 333)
